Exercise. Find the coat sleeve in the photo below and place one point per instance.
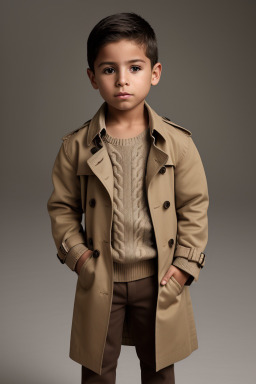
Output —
(65, 210)
(191, 203)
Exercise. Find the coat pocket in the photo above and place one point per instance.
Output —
(180, 288)
(87, 272)
(169, 293)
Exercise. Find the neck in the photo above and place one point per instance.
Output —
(137, 116)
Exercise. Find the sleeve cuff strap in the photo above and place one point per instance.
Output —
(192, 254)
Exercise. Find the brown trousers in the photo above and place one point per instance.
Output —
(139, 298)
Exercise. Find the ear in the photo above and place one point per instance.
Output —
(91, 76)
(156, 74)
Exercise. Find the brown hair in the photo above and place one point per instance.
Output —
(126, 25)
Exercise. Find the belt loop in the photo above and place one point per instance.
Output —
(191, 253)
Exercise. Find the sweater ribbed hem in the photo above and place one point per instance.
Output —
(134, 271)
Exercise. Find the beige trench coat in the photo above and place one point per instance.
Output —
(178, 201)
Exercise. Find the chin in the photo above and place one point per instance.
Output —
(125, 104)
(121, 105)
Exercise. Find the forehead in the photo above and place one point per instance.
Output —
(121, 51)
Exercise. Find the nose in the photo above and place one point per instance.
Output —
(122, 78)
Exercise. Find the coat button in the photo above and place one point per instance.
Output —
(166, 204)
(171, 242)
(92, 202)
(96, 253)
(94, 150)
(90, 241)
(162, 170)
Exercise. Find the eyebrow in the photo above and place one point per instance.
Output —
(112, 62)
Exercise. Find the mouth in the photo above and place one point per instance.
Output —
(123, 95)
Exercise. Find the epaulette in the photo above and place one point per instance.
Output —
(168, 121)
(76, 130)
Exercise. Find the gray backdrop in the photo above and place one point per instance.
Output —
(207, 49)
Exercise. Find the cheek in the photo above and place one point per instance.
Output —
(144, 83)
(106, 84)
(145, 78)
(103, 89)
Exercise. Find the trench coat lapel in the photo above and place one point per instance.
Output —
(101, 166)
(100, 162)
(157, 157)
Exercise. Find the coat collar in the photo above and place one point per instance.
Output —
(97, 123)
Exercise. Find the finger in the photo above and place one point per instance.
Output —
(168, 274)
(166, 278)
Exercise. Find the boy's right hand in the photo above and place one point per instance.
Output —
(82, 260)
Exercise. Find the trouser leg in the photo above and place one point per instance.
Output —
(113, 341)
(150, 376)
(142, 300)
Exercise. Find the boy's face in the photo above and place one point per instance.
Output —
(123, 67)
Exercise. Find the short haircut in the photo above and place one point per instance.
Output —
(125, 25)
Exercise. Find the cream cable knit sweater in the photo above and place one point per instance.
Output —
(133, 245)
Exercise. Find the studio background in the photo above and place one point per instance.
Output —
(207, 49)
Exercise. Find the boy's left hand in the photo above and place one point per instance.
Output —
(180, 275)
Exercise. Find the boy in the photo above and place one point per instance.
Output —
(139, 180)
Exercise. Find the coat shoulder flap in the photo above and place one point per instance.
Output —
(68, 135)
(185, 130)
(76, 150)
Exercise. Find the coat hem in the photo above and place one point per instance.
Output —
(165, 360)
(85, 363)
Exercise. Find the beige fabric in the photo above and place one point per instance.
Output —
(177, 195)
(74, 254)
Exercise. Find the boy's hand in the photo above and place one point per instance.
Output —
(178, 274)
(81, 260)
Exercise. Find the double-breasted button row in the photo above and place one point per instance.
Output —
(162, 170)
(171, 242)
(92, 202)
(96, 253)
(166, 204)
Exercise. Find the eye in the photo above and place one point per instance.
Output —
(108, 70)
(135, 68)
